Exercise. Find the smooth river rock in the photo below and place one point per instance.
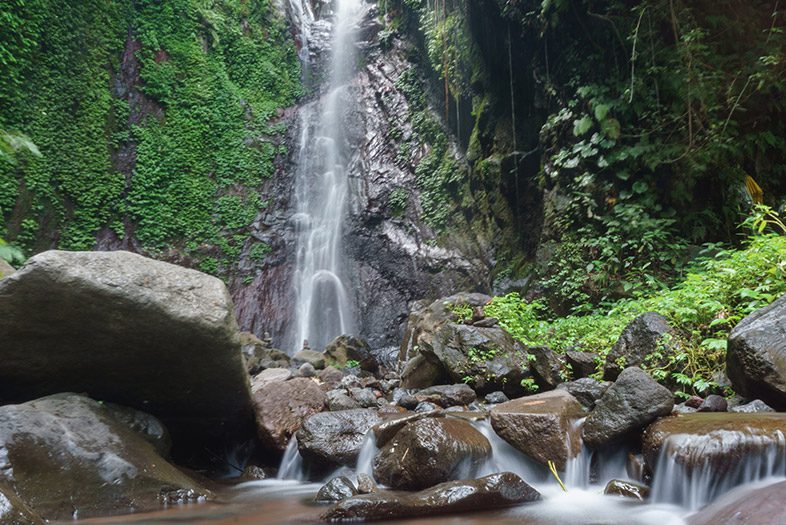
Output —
(543, 427)
(430, 451)
(631, 403)
(335, 438)
(491, 492)
(756, 355)
(68, 456)
(131, 330)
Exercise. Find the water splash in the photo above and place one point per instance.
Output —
(323, 309)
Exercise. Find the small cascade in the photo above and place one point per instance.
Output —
(693, 470)
(291, 467)
(368, 451)
(506, 458)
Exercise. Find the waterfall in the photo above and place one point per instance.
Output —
(694, 470)
(291, 466)
(323, 308)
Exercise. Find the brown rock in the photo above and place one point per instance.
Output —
(542, 426)
(746, 506)
(429, 451)
(281, 408)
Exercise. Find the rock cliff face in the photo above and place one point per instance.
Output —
(394, 252)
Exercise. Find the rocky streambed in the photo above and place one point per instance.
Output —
(126, 387)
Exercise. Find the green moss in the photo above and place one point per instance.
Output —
(218, 71)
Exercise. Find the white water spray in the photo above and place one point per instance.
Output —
(323, 308)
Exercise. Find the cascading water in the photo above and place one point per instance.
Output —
(323, 308)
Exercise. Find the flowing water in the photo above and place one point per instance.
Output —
(323, 307)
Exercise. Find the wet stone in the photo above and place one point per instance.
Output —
(713, 403)
(757, 405)
(337, 489)
(627, 489)
(366, 484)
(495, 398)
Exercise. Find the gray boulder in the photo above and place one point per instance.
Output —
(542, 426)
(757, 405)
(130, 330)
(335, 438)
(447, 395)
(312, 357)
(66, 455)
(491, 492)
(756, 355)
(640, 338)
(631, 403)
(583, 364)
(586, 390)
(429, 451)
(281, 408)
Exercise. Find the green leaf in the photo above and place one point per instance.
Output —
(581, 126)
(612, 128)
(640, 187)
(601, 110)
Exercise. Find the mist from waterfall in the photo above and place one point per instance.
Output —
(323, 308)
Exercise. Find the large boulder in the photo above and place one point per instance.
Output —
(643, 336)
(447, 395)
(718, 442)
(631, 403)
(746, 506)
(756, 355)
(335, 438)
(68, 456)
(429, 451)
(491, 492)
(543, 427)
(487, 358)
(131, 330)
(348, 349)
(281, 407)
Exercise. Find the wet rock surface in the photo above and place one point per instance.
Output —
(335, 438)
(447, 395)
(627, 489)
(491, 492)
(430, 451)
(586, 390)
(486, 357)
(282, 406)
(757, 405)
(722, 441)
(542, 426)
(583, 364)
(130, 330)
(746, 506)
(640, 338)
(337, 489)
(756, 355)
(14, 511)
(632, 402)
(67, 455)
